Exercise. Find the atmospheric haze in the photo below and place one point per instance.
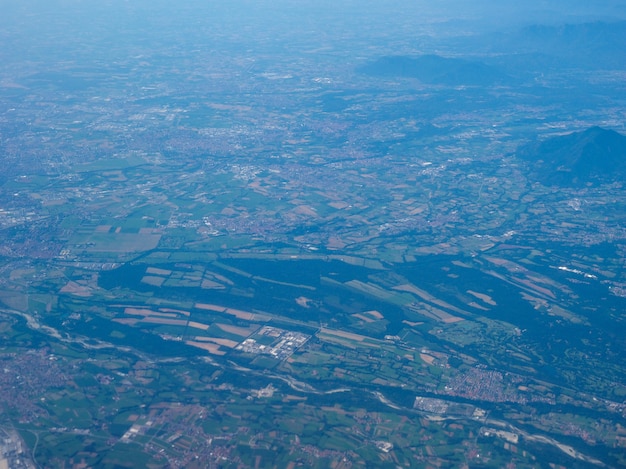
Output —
(312, 234)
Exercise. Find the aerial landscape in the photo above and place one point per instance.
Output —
(254, 234)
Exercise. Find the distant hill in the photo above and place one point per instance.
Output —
(593, 45)
(595, 155)
(436, 70)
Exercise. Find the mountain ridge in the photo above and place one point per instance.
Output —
(595, 155)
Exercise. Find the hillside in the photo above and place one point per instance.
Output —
(595, 155)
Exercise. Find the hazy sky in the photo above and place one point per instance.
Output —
(34, 28)
(486, 12)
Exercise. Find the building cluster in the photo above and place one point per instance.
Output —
(26, 377)
(12, 453)
(285, 343)
(431, 405)
(484, 385)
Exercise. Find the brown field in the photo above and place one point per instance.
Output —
(210, 284)
(449, 319)
(427, 358)
(537, 288)
(76, 289)
(219, 277)
(498, 261)
(152, 280)
(240, 314)
(225, 342)
(418, 210)
(336, 408)
(256, 186)
(558, 311)
(178, 311)
(148, 312)
(169, 322)
(248, 316)
(198, 325)
(337, 340)
(303, 301)
(241, 331)
(429, 298)
(363, 318)
(128, 321)
(290, 397)
(441, 248)
(122, 242)
(412, 324)
(417, 291)
(305, 210)
(230, 107)
(433, 313)
(339, 205)
(481, 296)
(211, 348)
(334, 242)
(473, 304)
(374, 314)
(345, 335)
(219, 309)
(156, 271)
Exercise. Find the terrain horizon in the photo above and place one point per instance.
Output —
(312, 234)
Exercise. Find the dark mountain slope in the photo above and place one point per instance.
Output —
(595, 155)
